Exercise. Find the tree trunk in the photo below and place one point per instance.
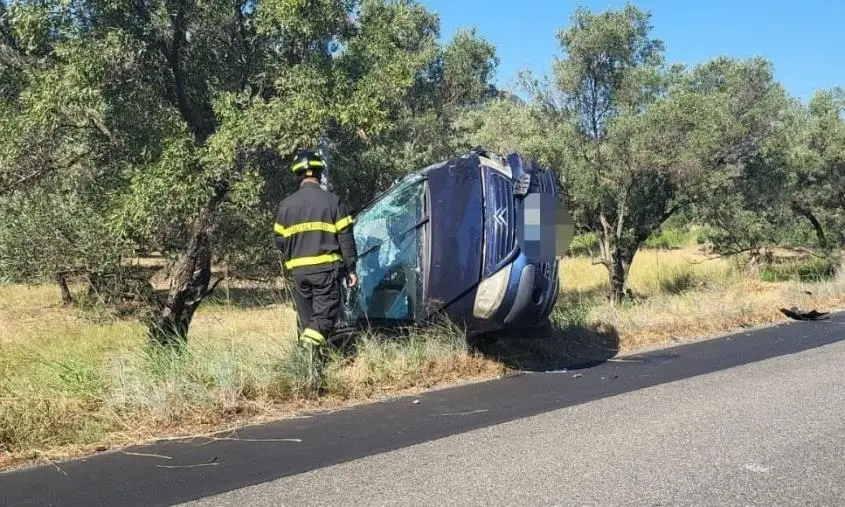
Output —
(67, 298)
(752, 267)
(817, 226)
(840, 272)
(820, 235)
(191, 278)
(616, 257)
(618, 269)
(93, 285)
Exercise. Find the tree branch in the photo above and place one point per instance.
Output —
(40, 173)
(213, 286)
(671, 211)
(817, 226)
(173, 54)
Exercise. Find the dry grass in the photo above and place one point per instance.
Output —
(69, 385)
(684, 294)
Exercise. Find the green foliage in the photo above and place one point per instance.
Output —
(173, 123)
(47, 233)
(821, 177)
(169, 127)
(784, 196)
(798, 270)
(469, 64)
(584, 245)
(668, 238)
(635, 141)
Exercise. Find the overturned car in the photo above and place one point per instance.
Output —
(444, 241)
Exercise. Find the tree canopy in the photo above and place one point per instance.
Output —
(167, 126)
(637, 140)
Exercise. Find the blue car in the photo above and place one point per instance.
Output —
(444, 241)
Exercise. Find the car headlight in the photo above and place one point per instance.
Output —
(491, 293)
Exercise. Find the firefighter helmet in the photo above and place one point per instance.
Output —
(308, 164)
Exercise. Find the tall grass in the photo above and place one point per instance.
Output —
(799, 270)
(68, 383)
(76, 384)
(682, 294)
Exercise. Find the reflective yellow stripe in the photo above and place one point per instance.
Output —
(343, 223)
(312, 261)
(313, 226)
(313, 336)
(307, 226)
(306, 163)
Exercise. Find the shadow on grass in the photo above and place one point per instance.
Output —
(569, 339)
(552, 347)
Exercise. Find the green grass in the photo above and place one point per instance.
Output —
(802, 270)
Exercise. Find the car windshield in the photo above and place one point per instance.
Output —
(388, 237)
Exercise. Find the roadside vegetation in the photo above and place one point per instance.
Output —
(75, 379)
(145, 147)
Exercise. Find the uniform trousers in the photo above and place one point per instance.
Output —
(317, 297)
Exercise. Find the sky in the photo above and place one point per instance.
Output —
(804, 40)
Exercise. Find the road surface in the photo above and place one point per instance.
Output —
(751, 419)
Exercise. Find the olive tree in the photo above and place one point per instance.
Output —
(635, 141)
(190, 112)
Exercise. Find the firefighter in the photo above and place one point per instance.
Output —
(314, 233)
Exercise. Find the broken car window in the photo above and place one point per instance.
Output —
(388, 240)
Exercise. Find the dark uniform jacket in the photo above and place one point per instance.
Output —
(314, 232)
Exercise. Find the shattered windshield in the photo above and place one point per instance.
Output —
(388, 237)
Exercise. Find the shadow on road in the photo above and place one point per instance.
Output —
(552, 348)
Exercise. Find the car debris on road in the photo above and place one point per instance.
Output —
(796, 314)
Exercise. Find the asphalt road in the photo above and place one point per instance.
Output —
(769, 433)
(755, 418)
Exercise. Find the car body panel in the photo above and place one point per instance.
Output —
(456, 229)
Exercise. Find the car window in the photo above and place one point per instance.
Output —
(389, 264)
(393, 214)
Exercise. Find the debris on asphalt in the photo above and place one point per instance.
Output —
(467, 413)
(189, 466)
(416, 402)
(144, 455)
(578, 375)
(796, 314)
(211, 463)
